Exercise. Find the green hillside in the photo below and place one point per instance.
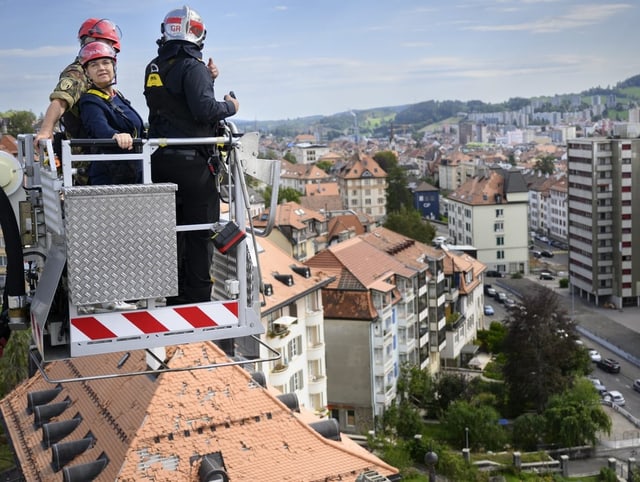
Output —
(410, 119)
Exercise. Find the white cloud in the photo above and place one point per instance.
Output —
(44, 51)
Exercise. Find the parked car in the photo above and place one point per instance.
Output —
(609, 365)
(636, 384)
(546, 254)
(597, 384)
(493, 274)
(536, 254)
(438, 240)
(501, 297)
(546, 275)
(489, 291)
(595, 355)
(488, 310)
(614, 396)
(510, 303)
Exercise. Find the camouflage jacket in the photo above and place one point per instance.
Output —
(72, 83)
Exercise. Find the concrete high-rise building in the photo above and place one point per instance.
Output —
(601, 228)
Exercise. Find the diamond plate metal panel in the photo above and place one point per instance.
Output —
(121, 242)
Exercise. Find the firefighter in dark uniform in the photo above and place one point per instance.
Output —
(180, 96)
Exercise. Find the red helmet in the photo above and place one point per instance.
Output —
(100, 29)
(96, 50)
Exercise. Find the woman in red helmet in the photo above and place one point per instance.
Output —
(106, 114)
(73, 81)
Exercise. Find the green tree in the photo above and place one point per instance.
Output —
(542, 355)
(324, 165)
(14, 364)
(415, 385)
(492, 340)
(284, 194)
(450, 387)
(398, 193)
(408, 222)
(20, 121)
(386, 160)
(478, 424)
(288, 156)
(545, 164)
(528, 430)
(575, 416)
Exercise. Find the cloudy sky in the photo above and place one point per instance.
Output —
(295, 58)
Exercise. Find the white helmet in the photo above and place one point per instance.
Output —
(183, 24)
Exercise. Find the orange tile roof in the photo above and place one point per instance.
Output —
(322, 189)
(406, 250)
(160, 430)
(360, 166)
(274, 260)
(345, 222)
(480, 189)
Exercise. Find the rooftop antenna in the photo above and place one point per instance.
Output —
(357, 131)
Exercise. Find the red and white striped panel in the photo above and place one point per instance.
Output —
(122, 324)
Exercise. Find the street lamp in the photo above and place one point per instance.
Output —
(430, 460)
(466, 437)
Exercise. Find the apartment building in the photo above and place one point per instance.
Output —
(292, 315)
(601, 207)
(490, 212)
(309, 153)
(366, 312)
(300, 176)
(454, 169)
(300, 232)
(557, 209)
(363, 186)
(427, 311)
(464, 305)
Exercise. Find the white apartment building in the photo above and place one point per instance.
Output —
(490, 212)
(428, 262)
(464, 304)
(307, 153)
(299, 176)
(294, 326)
(371, 328)
(557, 209)
(601, 228)
(363, 186)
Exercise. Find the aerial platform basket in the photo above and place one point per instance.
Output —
(94, 245)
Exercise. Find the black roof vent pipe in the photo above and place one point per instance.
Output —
(285, 279)
(212, 468)
(259, 378)
(41, 397)
(304, 271)
(64, 452)
(53, 432)
(85, 472)
(290, 400)
(44, 413)
(328, 428)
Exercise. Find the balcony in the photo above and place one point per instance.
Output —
(315, 351)
(313, 318)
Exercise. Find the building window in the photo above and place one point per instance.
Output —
(500, 241)
(351, 418)
(499, 213)
(500, 254)
(498, 227)
(296, 382)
